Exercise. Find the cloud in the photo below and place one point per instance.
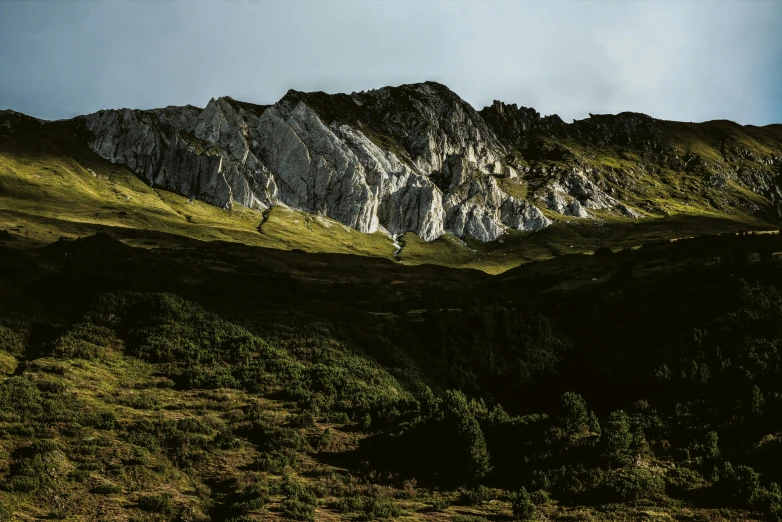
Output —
(689, 61)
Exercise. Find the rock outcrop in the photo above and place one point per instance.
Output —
(410, 159)
(415, 158)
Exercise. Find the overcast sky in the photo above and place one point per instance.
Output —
(690, 61)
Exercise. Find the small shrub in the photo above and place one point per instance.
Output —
(741, 483)
(21, 484)
(12, 341)
(771, 502)
(143, 439)
(106, 489)
(208, 376)
(682, 479)
(474, 497)
(193, 425)
(379, 509)
(523, 507)
(248, 499)
(84, 341)
(337, 417)
(140, 401)
(275, 438)
(635, 483)
(44, 446)
(298, 510)
(79, 475)
(349, 504)
(408, 486)
(440, 504)
(102, 421)
(156, 503)
(325, 439)
(225, 439)
(304, 419)
(540, 497)
(19, 395)
(275, 461)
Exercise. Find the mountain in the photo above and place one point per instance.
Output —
(245, 313)
(417, 158)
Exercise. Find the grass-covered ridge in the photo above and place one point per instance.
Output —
(52, 185)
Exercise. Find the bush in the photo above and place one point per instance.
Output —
(225, 439)
(337, 417)
(304, 419)
(682, 479)
(156, 503)
(102, 421)
(106, 489)
(324, 439)
(11, 341)
(540, 497)
(298, 510)
(376, 509)
(440, 503)
(21, 484)
(193, 425)
(44, 446)
(19, 395)
(271, 438)
(79, 475)
(368, 508)
(140, 401)
(617, 439)
(634, 483)
(771, 501)
(208, 377)
(246, 500)
(83, 341)
(275, 461)
(569, 480)
(143, 439)
(474, 497)
(523, 507)
(741, 483)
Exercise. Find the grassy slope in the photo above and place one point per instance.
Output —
(51, 186)
(565, 237)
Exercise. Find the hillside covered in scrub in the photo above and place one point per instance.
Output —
(219, 381)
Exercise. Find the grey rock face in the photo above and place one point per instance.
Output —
(415, 158)
(574, 193)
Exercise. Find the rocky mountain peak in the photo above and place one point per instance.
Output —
(513, 123)
(626, 128)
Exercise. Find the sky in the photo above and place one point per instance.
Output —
(687, 61)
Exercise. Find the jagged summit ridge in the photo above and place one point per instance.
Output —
(414, 158)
